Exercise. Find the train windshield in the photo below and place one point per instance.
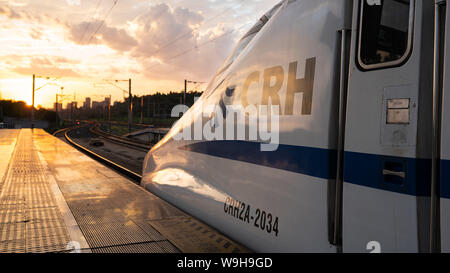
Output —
(385, 32)
(244, 41)
(239, 48)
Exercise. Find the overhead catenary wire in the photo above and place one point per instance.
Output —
(201, 45)
(189, 33)
(89, 23)
(62, 73)
(103, 21)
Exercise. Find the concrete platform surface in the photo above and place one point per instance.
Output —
(54, 198)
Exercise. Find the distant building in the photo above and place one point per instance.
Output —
(107, 101)
(87, 104)
(73, 104)
(57, 106)
(97, 104)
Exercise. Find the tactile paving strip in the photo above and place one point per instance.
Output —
(192, 236)
(152, 247)
(110, 234)
(168, 247)
(101, 216)
(30, 220)
(151, 232)
(12, 231)
(108, 230)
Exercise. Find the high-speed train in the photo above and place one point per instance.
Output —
(328, 130)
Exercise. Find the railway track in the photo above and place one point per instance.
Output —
(121, 140)
(61, 131)
(121, 169)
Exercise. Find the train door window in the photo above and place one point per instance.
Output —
(385, 33)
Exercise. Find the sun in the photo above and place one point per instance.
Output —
(23, 95)
(28, 101)
(20, 89)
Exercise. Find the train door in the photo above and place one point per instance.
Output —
(385, 173)
(441, 11)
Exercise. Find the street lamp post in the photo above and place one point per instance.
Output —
(32, 104)
(109, 114)
(185, 88)
(56, 105)
(130, 107)
(33, 91)
(130, 99)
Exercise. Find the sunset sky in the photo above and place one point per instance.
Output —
(79, 43)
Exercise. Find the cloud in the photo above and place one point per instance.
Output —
(44, 65)
(171, 46)
(12, 14)
(79, 34)
(16, 4)
(117, 39)
(195, 63)
(57, 59)
(171, 41)
(85, 33)
(162, 31)
(47, 60)
(159, 26)
(73, 2)
(36, 34)
(23, 15)
(165, 42)
(46, 70)
(41, 61)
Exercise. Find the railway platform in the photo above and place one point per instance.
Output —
(53, 198)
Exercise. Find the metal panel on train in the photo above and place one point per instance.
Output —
(209, 178)
(445, 146)
(386, 180)
(351, 170)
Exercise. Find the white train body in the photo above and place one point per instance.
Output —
(355, 82)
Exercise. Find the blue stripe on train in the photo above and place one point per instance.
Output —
(305, 160)
(445, 178)
(367, 170)
(359, 168)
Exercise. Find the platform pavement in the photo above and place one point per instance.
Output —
(54, 198)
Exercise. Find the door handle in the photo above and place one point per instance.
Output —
(393, 173)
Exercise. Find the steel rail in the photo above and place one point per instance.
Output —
(60, 131)
(121, 140)
(130, 174)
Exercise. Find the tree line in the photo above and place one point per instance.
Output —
(19, 109)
